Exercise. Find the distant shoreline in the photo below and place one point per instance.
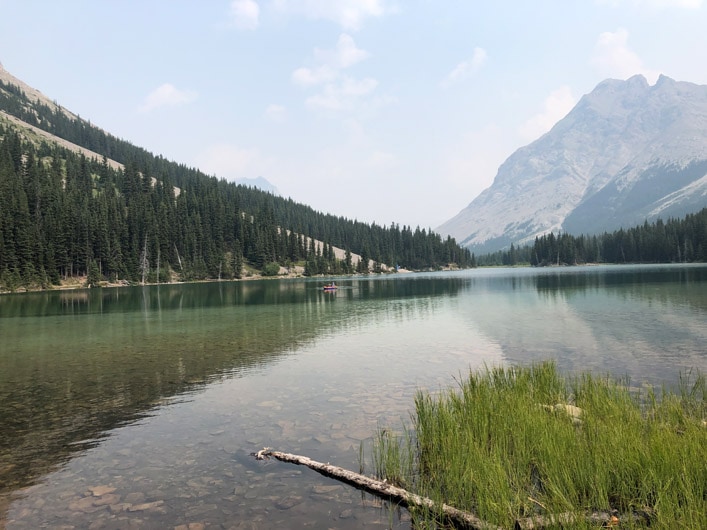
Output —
(80, 283)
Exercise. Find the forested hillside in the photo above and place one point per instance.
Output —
(672, 241)
(63, 214)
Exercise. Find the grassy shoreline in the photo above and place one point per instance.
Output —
(519, 442)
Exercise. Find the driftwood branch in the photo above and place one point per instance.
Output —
(458, 518)
(382, 489)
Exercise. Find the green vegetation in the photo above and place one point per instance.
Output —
(671, 241)
(510, 443)
(63, 215)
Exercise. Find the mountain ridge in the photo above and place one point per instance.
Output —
(33, 93)
(593, 170)
(36, 95)
(66, 213)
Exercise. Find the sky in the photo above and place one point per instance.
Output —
(385, 111)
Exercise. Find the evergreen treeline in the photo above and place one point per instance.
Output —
(63, 214)
(671, 241)
(506, 258)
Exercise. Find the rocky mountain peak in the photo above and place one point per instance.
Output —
(626, 153)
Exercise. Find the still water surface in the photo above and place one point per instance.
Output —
(139, 407)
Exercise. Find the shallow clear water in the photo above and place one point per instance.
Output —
(139, 407)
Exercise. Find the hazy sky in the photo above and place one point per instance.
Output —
(380, 110)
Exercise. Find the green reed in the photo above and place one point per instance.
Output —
(505, 445)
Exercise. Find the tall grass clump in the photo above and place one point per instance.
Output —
(516, 442)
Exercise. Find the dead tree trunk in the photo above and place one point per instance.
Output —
(382, 489)
(178, 258)
(144, 263)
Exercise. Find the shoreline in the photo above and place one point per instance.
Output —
(80, 283)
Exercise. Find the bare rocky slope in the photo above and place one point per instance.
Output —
(628, 152)
(31, 130)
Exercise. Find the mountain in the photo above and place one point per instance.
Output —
(35, 95)
(24, 105)
(628, 152)
(31, 93)
(78, 204)
(259, 182)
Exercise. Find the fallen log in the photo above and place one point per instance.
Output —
(458, 518)
(381, 488)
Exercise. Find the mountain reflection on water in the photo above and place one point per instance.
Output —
(624, 320)
(80, 369)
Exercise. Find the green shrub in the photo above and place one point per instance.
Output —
(271, 269)
(511, 443)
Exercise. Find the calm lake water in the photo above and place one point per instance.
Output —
(139, 407)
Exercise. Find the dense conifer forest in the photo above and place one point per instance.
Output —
(672, 241)
(63, 214)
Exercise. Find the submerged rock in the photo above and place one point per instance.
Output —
(85, 505)
(288, 502)
(321, 489)
(145, 506)
(99, 491)
(107, 500)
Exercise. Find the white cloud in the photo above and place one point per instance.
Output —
(331, 62)
(167, 95)
(244, 14)
(687, 4)
(355, 87)
(337, 91)
(343, 94)
(349, 14)
(613, 58)
(467, 67)
(313, 76)
(690, 4)
(275, 112)
(555, 107)
(344, 55)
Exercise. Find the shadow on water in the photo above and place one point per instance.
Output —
(78, 364)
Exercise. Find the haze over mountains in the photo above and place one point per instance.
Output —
(257, 182)
(628, 152)
(78, 204)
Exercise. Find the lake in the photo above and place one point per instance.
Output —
(138, 407)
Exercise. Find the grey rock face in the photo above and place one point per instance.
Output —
(628, 152)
